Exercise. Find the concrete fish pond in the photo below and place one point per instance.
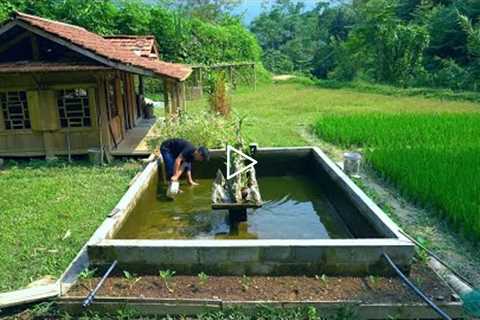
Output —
(314, 221)
(316, 240)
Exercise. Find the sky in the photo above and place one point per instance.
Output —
(252, 8)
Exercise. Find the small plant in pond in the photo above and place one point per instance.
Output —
(323, 278)
(166, 276)
(87, 273)
(131, 278)
(373, 281)
(245, 282)
(202, 278)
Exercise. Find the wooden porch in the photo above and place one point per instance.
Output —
(135, 141)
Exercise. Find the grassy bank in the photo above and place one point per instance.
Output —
(48, 211)
(432, 158)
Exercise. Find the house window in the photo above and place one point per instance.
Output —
(112, 105)
(15, 110)
(73, 108)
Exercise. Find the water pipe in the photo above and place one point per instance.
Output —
(91, 296)
(417, 291)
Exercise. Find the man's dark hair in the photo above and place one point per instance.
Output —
(204, 152)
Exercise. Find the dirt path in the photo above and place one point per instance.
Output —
(458, 252)
(283, 77)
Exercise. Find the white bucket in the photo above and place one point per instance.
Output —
(351, 163)
(173, 189)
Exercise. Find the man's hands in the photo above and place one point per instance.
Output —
(190, 181)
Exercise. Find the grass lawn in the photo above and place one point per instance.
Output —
(48, 211)
(277, 114)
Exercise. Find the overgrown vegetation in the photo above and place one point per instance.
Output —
(202, 128)
(432, 158)
(218, 96)
(400, 42)
(49, 210)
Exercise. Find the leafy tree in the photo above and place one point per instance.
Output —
(391, 49)
(473, 45)
(206, 10)
(288, 31)
(134, 17)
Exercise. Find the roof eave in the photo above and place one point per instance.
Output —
(88, 53)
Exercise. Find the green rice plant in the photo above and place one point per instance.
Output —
(431, 158)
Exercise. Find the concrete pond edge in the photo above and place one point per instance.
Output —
(182, 306)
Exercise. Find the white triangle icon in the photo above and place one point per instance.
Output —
(231, 149)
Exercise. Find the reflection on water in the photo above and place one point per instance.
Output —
(295, 208)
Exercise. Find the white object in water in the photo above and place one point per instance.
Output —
(173, 189)
(351, 163)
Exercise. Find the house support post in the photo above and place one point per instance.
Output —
(175, 97)
(49, 145)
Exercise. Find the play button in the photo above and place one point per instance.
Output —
(250, 165)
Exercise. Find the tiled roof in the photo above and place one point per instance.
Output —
(36, 66)
(143, 46)
(104, 47)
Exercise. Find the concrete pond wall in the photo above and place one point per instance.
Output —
(359, 256)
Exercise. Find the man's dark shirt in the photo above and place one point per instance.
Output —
(178, 147)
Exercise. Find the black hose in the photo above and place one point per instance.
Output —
(437, 258)
(88, 301)
(417, 291)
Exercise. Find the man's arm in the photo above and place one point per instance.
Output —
(177, 172)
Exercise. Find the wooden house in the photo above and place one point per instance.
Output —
(65, 90)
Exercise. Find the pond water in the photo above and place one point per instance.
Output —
(294, 207)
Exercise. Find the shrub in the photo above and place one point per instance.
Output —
(219, 98)
(200, 128)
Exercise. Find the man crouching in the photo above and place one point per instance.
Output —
(178, 155)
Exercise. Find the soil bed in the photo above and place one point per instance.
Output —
(288, 288)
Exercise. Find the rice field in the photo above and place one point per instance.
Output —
(433, 158)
